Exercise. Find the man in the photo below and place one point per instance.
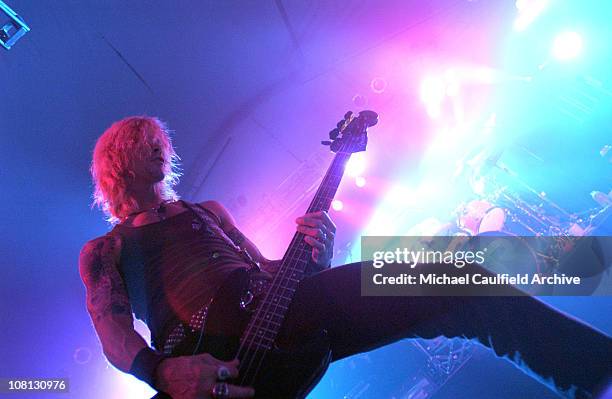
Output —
(165, 257)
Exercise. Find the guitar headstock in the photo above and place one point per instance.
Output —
(350, 134)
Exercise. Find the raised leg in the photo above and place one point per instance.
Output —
(560, 351)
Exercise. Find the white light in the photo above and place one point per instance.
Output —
(356, 164)
(337, 205)
(452, 83)
(528, 11)
(126, 386)
(360, 181)
(567, 45)
(432, 92)
(400, 195)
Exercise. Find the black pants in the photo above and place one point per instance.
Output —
(563, 353)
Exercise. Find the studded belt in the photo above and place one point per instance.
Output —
(256, 287)
(179, 332)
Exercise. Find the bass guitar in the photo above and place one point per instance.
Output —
(236, 327)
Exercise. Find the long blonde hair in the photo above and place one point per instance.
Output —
(112, 166)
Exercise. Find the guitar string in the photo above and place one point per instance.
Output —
(291, 268)
(314, 205)
(324, 197)
(301, 250)
(271, 306)
(325, 191)
(274, 308)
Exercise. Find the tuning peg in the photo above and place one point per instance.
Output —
(340, 124)
(326, 142)
(348, 115)
(334, 133)
(370, 117)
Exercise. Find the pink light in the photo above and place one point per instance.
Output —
(337, 205)
(360, 181)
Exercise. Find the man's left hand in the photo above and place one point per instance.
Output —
(319, 231)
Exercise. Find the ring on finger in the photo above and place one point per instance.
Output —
(223, 373)
(220, 391)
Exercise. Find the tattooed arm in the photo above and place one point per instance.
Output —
(184, 377)
(107, 302)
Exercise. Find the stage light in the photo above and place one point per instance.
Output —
(356, 164)
(452, 83)
(337, 205)
(567, 45)
(528, 11)
(360, 181)
(400, 195)
(432, 93)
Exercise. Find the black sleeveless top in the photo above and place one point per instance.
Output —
(172, 268)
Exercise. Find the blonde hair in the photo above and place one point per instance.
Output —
(112, 166)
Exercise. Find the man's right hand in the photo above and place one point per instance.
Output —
(191, 377)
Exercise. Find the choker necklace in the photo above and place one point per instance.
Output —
(160, 211)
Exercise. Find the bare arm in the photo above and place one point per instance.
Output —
(186, 377)
(107, 302)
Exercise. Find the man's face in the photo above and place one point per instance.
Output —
(149, 166)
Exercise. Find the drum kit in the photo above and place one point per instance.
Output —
(503, 205)
(520, 210)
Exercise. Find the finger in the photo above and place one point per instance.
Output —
(208, 373)
(223, 372)
(311, 231)
(316, 215)
(207, 358)
(234, 391)
(311, 220)
(315, 255)
(211, 363)
(331, 226)
(313, 242)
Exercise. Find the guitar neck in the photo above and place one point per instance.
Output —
(266, 321)
(329, 185)
(297, 254)
(349, 136)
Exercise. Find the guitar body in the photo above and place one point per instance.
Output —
(284, 373)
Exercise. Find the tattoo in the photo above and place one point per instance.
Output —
(236, 236)
(106, 292)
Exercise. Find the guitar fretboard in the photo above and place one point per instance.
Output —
(265, 323)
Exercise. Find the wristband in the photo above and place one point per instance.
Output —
(144, 365)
